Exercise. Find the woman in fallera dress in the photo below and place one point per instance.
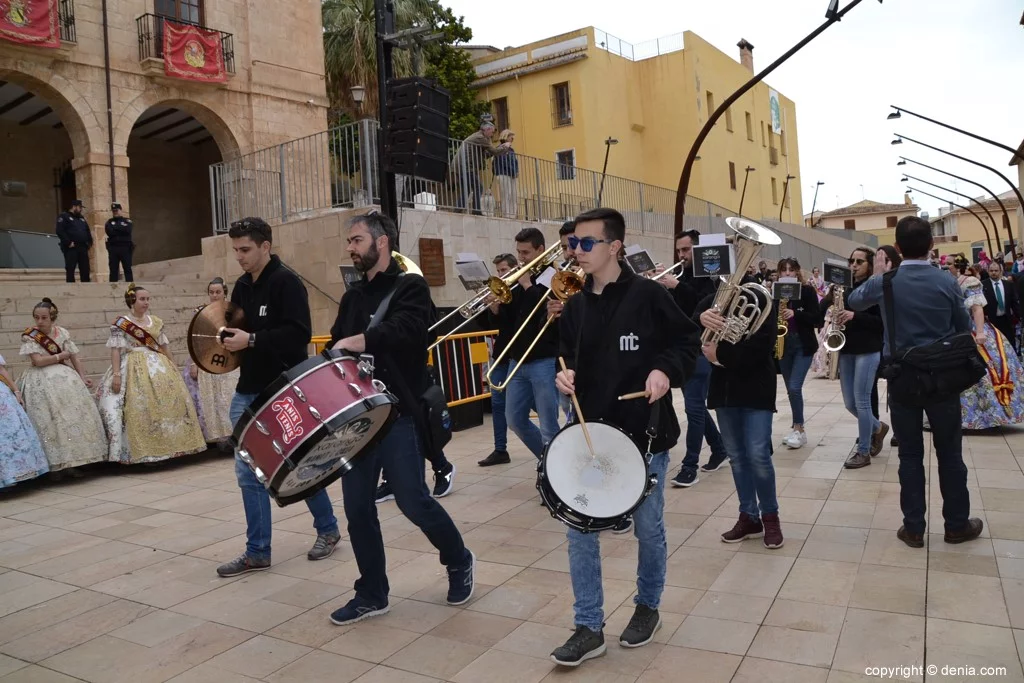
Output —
(212, 393)
(145, 406)
(57, 397)
(21, 454)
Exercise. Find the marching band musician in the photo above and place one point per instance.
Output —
(620, 332)
(501, 318)
(688, 291)
(742, 393)
(398, 342)
(276, 308)
(801, 343)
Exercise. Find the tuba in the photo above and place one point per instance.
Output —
(406, 264)
(740, 304)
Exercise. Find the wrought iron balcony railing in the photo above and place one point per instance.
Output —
(151, 39)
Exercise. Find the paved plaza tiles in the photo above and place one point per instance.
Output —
(111, 578)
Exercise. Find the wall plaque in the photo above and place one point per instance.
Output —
(432, 261)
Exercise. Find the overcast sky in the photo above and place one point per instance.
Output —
(958, 61)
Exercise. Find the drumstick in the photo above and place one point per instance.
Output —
(635, 394)
(579, 413)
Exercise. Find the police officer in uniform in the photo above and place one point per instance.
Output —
(119, 244)
(75, 241)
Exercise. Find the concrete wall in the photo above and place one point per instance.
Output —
(31, 159)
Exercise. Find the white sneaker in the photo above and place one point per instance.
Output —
(796, 439)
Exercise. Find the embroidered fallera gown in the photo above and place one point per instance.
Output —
(21, 454)
(212, 396)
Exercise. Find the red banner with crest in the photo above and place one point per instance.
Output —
(193, 53)
(30, 22)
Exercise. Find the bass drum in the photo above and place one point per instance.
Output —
(593, 493)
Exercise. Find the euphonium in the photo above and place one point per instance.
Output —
(741, 304)
(783, 329)
(406, 264)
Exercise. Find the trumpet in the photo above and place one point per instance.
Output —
(780, 333)
(740, 304)
(497, 288)
(566, 282)
(835, 340)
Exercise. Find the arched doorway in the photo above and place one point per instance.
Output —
(170, 149)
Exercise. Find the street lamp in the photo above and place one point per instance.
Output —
(815, 202)
(988, 238)
(785, 190)
(744, 194)
(607, 149)
(358, 96)
(897, 114)
(899, 140)
(1006, 216)
(959, 206)
(832, 15)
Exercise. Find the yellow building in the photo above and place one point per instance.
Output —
(566, 95)
(957, 230)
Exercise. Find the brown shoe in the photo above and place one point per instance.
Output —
(878, 439)
(772, 531)
(857, 460)
(746, 527)
(913, 540)
(969, 533)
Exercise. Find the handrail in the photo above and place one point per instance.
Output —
(150, 27)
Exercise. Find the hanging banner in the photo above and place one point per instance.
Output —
(773, 102)
(193, 53)
(30, 22)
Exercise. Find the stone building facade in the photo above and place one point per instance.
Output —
(165, 131)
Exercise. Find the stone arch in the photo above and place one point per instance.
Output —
(87, 132)
(225, 129)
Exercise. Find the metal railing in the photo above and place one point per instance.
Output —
(66, 19)
(338, 169)
(635, 53)
(150, 28)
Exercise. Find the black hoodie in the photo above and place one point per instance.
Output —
(399, 342)
(547, 345)
(276, 310)
(863, 332)
(630, 329)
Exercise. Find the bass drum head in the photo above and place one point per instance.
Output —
(605, 487)
(331, 457)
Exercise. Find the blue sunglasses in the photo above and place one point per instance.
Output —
(587, 243)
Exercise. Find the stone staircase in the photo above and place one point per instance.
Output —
(87, 309)
(188, 269)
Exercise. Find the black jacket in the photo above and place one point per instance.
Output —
(72, 228)
(746, 375)
(864, 332)
(276, 310)
(119, 230)
(547, 345)
(691, 290)
(806, 316)
(630, 329)
(399, 342)
(1010, 302)
(505, 321)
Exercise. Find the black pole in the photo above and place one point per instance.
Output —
(743, 195)
(1020, 198)
(110, 106)
(969, 134)
(815, 202)
(1006, 216)
(684, 179)
(959, 206)
(785, 191)
(988, 237)
(607, 150)
(385, 25)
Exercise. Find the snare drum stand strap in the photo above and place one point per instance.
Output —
(652, 428)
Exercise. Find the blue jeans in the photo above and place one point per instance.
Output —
(748, 439)
(652, 551)
(498, 420)
(400, 454)
(533, 386)
(857, 380)
(699, 423)
(256, 500)
(795, 365)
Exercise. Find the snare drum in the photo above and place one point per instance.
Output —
(590, 493)
(305, 429)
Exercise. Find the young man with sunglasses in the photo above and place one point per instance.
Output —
(620, 334)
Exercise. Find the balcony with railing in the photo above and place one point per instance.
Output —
(150, 28)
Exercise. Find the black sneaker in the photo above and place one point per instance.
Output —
(444, 480)
(582, 645)
(461, 583)
(623, 527)
(714, 463)
(685, 478)
(384, 492)
(496, 457)
(241, 565)
(642, 627)
(355, 610)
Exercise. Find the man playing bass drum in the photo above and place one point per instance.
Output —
(621, 334)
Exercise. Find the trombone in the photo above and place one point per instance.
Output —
(566, 282)
(499, 288)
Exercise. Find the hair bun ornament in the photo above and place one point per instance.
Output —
(129, 295)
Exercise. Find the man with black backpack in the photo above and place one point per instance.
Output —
(929, 357)
(387, 314)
